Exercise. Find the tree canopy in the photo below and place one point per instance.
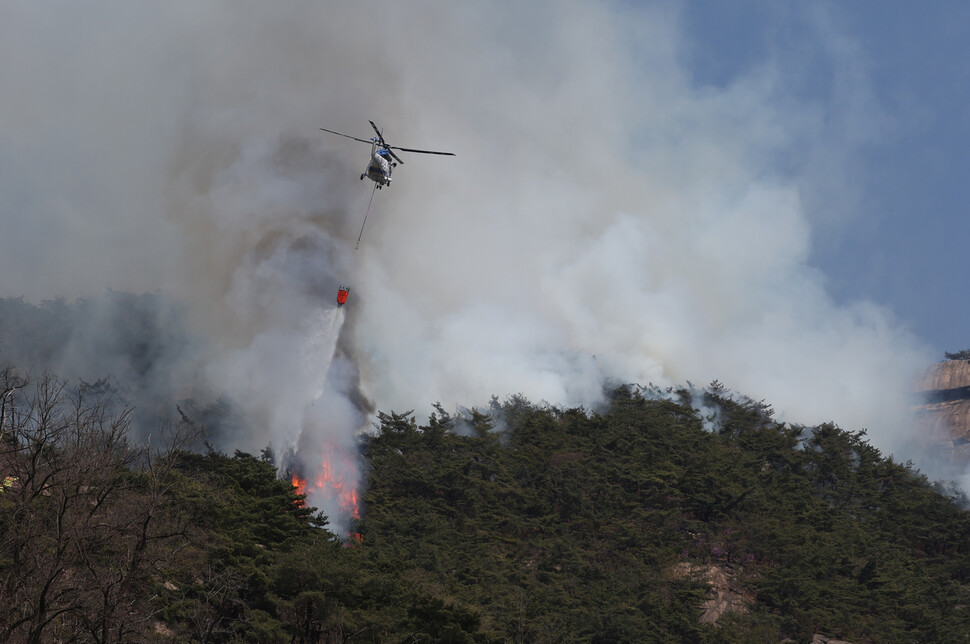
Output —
(645, 521)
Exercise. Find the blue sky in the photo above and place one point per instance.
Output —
(902, 241)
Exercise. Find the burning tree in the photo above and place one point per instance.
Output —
(329, 475)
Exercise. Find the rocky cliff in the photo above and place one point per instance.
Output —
(945, 413)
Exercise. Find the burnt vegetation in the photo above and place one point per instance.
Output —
(519, 523)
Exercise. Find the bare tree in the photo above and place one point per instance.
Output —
(85, 524)
(10, 382)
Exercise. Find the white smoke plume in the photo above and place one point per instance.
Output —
(605, 218)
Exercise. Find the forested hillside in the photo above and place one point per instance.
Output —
(637, 523)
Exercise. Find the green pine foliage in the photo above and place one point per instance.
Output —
(569, 526)
(524, 523)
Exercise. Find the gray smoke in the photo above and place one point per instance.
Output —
(604, 219)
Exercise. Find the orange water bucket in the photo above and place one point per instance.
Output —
(342, 294)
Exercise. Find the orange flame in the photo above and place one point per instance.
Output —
(329, 483)
(300, 485)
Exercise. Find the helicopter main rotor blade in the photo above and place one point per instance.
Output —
(447, 154)
(396, 157)
(345, 135)
(379, 135)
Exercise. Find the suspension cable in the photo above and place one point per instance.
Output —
(373, 192)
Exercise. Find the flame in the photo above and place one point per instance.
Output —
(300, 485)
(333, 483)
(327, 482)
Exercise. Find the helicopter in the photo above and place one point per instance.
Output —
(382, 157)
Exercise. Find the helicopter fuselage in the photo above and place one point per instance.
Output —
(380, 167)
